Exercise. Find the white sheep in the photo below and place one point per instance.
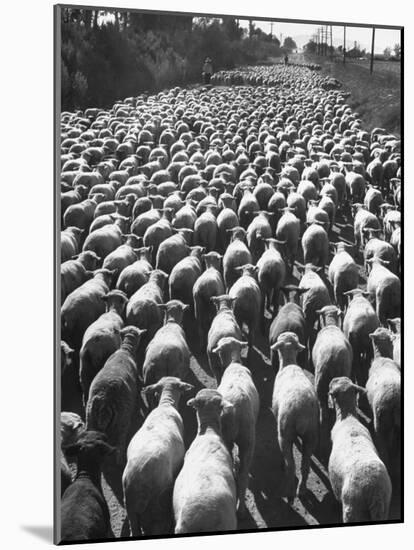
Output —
(154, 458)
(359, 478)
(204, 497)
(296, 410)
(384, 395)
(239, 422)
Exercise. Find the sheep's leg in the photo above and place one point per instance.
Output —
(246, 451)
(308, 445)
(275, 301)
(350, 514)
(286, 446)
(134, 523)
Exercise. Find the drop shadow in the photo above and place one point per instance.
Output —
(42, 532)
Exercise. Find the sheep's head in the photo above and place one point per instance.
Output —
(288, 344)
(90, 447)
(343, 393)
(247, 269)
(382, 340)
(224, 301)
(168, 385)
(117, 300)
(174, 311)
(229, 350)
(212, 259)
(159, 277)
(330, 315)
(237, 233)
(209, 405)
(71, 426)
(66, 356)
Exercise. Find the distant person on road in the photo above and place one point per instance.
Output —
(207, 71)
(286, 60)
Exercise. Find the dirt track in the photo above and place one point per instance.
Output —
(267, 507)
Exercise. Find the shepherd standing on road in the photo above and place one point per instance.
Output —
(207, 71)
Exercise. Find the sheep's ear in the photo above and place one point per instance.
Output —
(226, 406)
(185, 307)
(216, 350)
(185, 387)
(150, 390)
(331, 404)
(72, 449)
(105, 448)
(301, 347)
(360, 389)
(275, 346)
(192, 403)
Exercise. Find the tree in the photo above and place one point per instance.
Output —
(289, 44)
(310, 47)
(387, 53)
(397, 51)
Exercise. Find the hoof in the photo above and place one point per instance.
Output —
(290, 500)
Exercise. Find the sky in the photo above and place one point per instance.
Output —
(302, 32)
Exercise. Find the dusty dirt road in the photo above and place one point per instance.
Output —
(267, 506)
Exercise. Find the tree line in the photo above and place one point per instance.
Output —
(109, 55)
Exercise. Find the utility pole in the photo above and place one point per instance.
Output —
(372, 50)
(326, 40)
(319, 41)
(331, 41)
(271, 29)
(344, 48)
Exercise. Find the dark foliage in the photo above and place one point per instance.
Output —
(111, 55)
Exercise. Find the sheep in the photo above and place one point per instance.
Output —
(113, 395)
(288, 229)
(142, 309)
(343, 274)
(359, 479)
(122, 256)
(247, 300)
(315, 297)
(380, 249)
(76, 271)
(224, 325)
(290, 318)
(236, 255)
(363, 219)
(257, 232)
(359, 321)
(186, 216)
(395, 325)
(316, 214)
(331, 355)
(184, 275)
(238, 423)
(384, 395)
(271, 274)
(205, 229)
(315, 244)
(81, 214)
(248, 205)
(171, 251)
(101, 339)
(145, 220)
(167, 353)
(296, 410)
(105, 240)
(373, 200)
(328, 205)
(391, 220)
(83, 306)
(296, 203)
(158, 232)
(384, 288)
(204, 497)
(84, 512)
(155, 456)
(135, 275)
(71, 426)
(69, 243)
(209, 284)
(226, 221)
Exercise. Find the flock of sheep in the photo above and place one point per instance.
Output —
(210, 222)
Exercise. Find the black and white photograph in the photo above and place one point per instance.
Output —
(228, 273)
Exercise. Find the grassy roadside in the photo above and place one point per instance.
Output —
(376, 97)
